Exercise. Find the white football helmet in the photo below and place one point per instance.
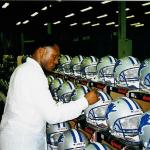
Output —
(105, 69)
(122, 116)
(144, 76)
(50, 78)
(144, 130)
(75, 65)
(64, 91)
(54, 131)
(95, 114)
(96, 146)
(79, 92)
(88, 67)
(72, 140)
(126, 72)
(64, 64)
(55, 84)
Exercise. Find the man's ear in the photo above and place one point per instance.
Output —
(41, 51)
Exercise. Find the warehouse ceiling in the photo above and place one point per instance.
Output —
(99, 15)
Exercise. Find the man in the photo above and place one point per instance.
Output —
(29, 104)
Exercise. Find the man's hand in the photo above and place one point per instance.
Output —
(92, 97)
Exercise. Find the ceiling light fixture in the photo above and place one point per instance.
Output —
(5, 5)
(26, 21)
(146, 4)
(18, 23)
(110, 23)
(132, 16)
(57, 22)
(102, 16)
(70, 15)
(139, 25)
(85, 23)
(105, 2)
(34, 14)
(44, 8)
(73, 24)
(116, 25)
(86, 9)
(146, 13)
(96, 24)
(133, 24)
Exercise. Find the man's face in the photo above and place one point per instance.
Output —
(50, 57)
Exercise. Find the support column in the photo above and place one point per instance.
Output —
(124, 45)
(49, 28)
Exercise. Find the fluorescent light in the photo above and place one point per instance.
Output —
(105, 2)
(146, 4)
(5, 5)
(102, 16)
(70, 15)
(139, 25)
(18, 23)
(44, 8)
(85, 23)
(110, 23)
(45, 24)
(34, 14)
(146, 13)
(57, 22)
(73, 24)
(26, 21)
(127, 9)
(96, 24)
(133, 24)
(116, 25)
(86, 9)
(132, 16)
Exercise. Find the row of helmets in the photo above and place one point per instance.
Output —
(123, 117)
(124, 72)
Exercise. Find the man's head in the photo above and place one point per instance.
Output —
(46, 52)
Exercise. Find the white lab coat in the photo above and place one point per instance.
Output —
(29, 105)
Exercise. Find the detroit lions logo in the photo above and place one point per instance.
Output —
(111, 108)
(145, 121)
(147, 80)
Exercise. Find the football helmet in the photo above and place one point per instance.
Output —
(105, 69)
(96, 146)
(54, 131)
(144, 130)
(55, 84)
(50, 78)
(95, 114)
(75, 65)
(79, 92)
(122, 116)
(72, 140)
(64, 91)
(144, 75)
(88, 67)
(126, 72)
(64, 64)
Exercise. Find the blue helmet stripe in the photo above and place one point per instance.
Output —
(136, 105)
(102, 97)
(96, 146)
(74, 137)
(130, 106)
(58, 125)
(63, 124)
(80, 136)
(131, 59)
(110, 59)
(71, 85)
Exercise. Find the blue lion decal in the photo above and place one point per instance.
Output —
(111, 108)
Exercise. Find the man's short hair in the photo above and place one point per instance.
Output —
(43, 41)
